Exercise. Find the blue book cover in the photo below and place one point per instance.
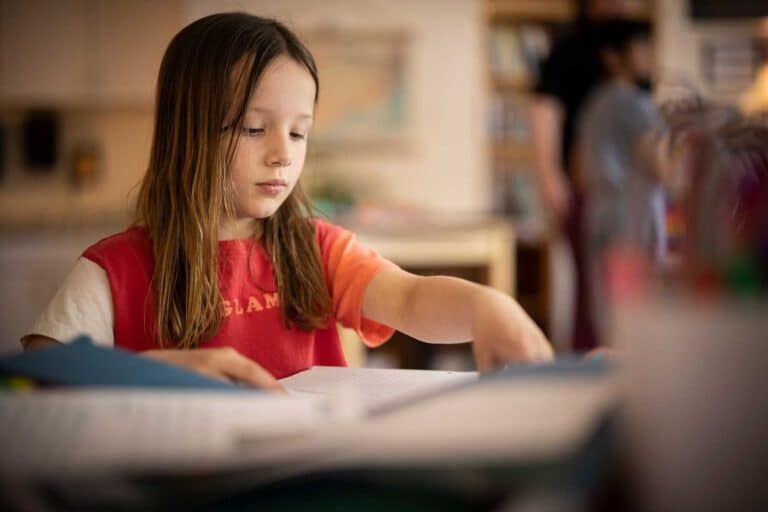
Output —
(80, 363)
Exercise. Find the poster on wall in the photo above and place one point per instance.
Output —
(731, 65)
(365, 97)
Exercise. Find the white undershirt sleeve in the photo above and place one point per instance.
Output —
(82, 305)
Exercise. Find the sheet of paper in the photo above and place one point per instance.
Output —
(352, 392)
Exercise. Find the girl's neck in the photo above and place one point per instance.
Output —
(239, 229)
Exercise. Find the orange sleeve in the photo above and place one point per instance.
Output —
(349, 267)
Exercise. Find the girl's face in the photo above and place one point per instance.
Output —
(273, 142)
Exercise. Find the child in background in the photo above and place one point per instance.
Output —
(225, 270)
(618, 130)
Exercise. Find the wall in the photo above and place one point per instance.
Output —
(94, 64)
(679, 41)
(446, 170)
(124, 138)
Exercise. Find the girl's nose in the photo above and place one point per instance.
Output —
(278, 154)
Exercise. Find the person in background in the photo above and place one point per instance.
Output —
(616, 158)
(566, 79)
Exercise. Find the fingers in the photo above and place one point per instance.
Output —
(196, 360)
(540, 350)
(220, 363)
(241, 369)
(483, 358)
(534, 348)
(535, 345)
(547, 353)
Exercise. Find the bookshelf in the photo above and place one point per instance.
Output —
(520, 35)
(504, 11)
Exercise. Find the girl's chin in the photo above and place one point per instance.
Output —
(262, 211)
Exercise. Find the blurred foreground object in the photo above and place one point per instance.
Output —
(695, 340)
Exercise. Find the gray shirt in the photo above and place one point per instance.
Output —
(625, 200)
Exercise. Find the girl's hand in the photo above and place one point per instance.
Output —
(503, 332)
(224, 363)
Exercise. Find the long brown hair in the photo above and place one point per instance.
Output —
(206, 78)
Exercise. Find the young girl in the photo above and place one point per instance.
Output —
(225, 270)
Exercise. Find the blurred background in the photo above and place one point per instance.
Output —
(425, 141)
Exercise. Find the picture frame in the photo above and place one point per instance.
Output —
(365, 100)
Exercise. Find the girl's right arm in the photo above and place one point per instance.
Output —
(83, 304)
(219, 363)
(34, 341)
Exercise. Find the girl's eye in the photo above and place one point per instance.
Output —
(297, 136)
(253, 131)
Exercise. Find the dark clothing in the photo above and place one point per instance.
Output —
(585, 334)
(569, 75)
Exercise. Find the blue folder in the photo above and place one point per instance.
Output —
(80, 363)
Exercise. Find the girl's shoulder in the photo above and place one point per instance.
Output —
(325, 229)
(328, 234)
(133, 240)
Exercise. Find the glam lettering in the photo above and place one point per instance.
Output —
(255, 304)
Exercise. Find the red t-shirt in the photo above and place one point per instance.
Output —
(252, 319)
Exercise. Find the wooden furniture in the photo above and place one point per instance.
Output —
(518, 35)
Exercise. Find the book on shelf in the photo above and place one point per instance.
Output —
(536, 43)
(516, 195)
(517, 51)
(508, 60)
(508, 119)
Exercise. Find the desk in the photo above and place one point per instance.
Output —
(518, 432)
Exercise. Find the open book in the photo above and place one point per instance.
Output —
(365, 392)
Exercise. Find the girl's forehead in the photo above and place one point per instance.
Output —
(284, 83)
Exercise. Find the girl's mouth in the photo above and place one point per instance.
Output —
(272, 187)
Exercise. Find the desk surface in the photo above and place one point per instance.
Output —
(503, 422)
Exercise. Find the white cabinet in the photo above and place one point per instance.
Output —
(83, 52)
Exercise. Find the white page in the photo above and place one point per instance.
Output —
(356, 392)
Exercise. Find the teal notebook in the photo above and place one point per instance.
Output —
(80, 363)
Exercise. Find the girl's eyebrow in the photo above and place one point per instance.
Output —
(269, 111)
